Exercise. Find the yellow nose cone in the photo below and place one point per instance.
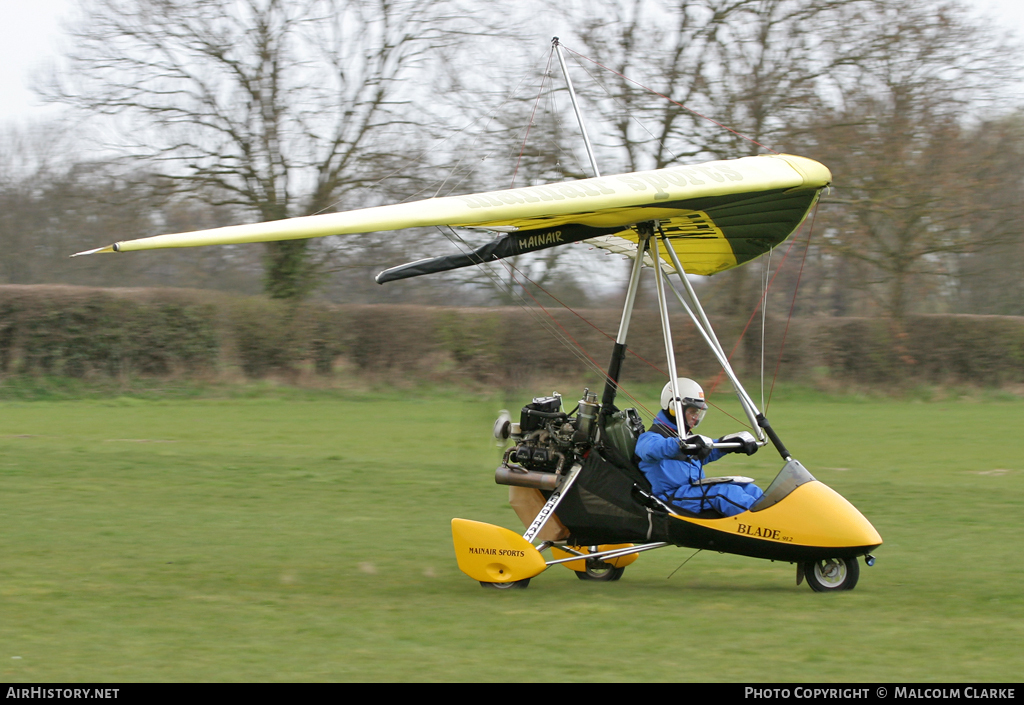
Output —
(815, 515)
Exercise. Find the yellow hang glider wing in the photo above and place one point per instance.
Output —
(717, 215)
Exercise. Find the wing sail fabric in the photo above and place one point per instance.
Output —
(728, 231)
(718, 215)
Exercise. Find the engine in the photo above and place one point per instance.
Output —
(546, 441)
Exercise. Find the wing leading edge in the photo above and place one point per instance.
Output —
(717, 215)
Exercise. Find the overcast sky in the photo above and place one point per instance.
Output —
(30, 36)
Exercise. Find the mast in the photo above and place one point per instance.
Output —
(666, 329)
(647, 242)
(611, 384)
(575, 105)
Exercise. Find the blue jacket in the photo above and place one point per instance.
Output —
(670, 473)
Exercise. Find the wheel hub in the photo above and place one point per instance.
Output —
(831, 571)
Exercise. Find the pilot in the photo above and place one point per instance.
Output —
(673, 472)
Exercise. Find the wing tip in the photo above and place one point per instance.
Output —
(97, 250)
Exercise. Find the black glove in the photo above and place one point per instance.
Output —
(747, 443)
(695, 446)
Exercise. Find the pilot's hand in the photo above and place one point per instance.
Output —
(747, 443)
(696, 446)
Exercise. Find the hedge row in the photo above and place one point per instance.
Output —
(82, 332)
(74, 332)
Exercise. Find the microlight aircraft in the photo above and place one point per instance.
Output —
(572, 476)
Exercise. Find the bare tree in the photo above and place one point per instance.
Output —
(517, 129)
(882, 91)
(53, 201)
(913, 185)
(280, 107)
(756, 67)
(987, 277)
(29, 158)
(734, 75)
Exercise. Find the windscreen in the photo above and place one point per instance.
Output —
(792, 475)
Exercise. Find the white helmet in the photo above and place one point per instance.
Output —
(690, 394)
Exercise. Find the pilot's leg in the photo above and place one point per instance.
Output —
(731, 498)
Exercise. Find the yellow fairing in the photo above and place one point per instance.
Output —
(812, 515)
(492, 554)
(580, 566)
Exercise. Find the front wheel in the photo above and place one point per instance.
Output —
(516, 585)
(832, 574)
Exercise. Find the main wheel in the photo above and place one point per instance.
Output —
(597, 570)
(517, 585)
(832, 574)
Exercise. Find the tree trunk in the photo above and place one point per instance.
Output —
(289, 272)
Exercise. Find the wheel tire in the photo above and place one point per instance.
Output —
(517, 585)
(601, 572)
(832, 575)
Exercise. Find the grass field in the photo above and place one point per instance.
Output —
(306, 537)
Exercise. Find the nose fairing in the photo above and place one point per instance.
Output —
(812, 522)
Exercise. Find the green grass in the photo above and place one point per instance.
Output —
(277, 536)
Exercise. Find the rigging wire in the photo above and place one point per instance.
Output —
(569, 155)
(545, 77)
(589, 323)
(579, 351)
(580, 354)
(684, 563)
(556, 329)
(792, 305)
(631, 352)
(553, 112)
(765, 269)
(490, 118)
(533, 114)
(611, 96)
(596, 366)
(422, 154)
(419, 158)
(757, 307)
(651, 90)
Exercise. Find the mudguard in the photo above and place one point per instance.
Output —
(492, 554)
